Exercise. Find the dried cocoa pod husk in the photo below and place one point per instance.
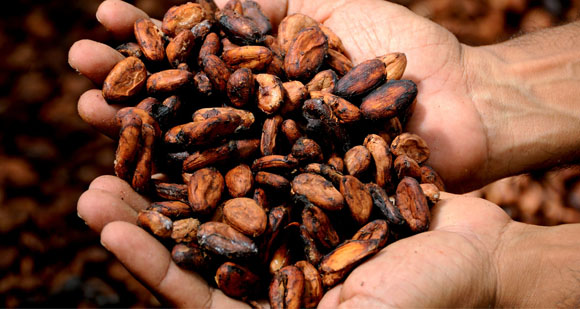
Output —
(318, 191)
(324, 81)
(290, 129)
(412, 204)
(325, 170)
(185, 230)
(155, 223)
(239, 29)
(275, 162)
(211, 46)
(431, 192)
(338, 62)
(182, 17)
(358, 199)
(217, 72)
(270, 134)
(180, 47)
(411, 145)
(209, 112)
(429, 175)
(174, 210)
(130, 49)
(375, 230)
(253, 11)
(271, 180)
(246, 216)
(337, 264)
(307, 150)
(287, 288)
(334, 42)
(127, 149)
(405, 166)
(280, 258)
(306, 54)
(313, 290)
(190, 256)
(171, 191)
(389, 100)
(241, 87)
(208, 130)
(357, 160)
(202, 83)
(336, 162)
(270, 93)
(289, 28)
(344, 111)
(239, 180)
(236, 281)
(224, 240)
(241, 149)
(150, 39)
(294, 94)
(125, 80)
(361, 79)
(201, 30)
(379, 150)
(169, 81)
(318, 225)
(383, 203)
(311, 252)
(205, 190)
(144, 165)
(255, 58)
(395, 65)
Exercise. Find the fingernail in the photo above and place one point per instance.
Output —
(104, 246)
(79, 215)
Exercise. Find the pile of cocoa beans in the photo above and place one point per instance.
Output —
(274, 165)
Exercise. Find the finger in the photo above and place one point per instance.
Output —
(93, 59)
(118, 17)
(457, 211)
(331, 298)
(95, 110)
(98, 208)
(151, 263)
(318, 10)
(121, 189)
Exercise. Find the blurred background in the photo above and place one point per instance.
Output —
(48, 156)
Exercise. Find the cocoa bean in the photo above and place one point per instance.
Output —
(255, 58)
(357, 160)
(169, 81)
(274, 162)
(306, 54)
(171, 191)
(222, 239)
(174, 210)
(358, 199)
(318, 191)
(324, 81)
(185, 230)
(289, 28)
(431, 192)
(361, 79)
(276, 182)
(270, 93)
(411, 145)
(180, 47)
(253, 11)
(239, 29)
(246, 216)
(217, 72)
(270, 135)
(182, 17)
(345, 111)
(241, 149)
(239, 180)
(382, 202)
(150, 39)
(375, 230)
(412, 204)
(405, 166)
(240, 87)
(211, 46)
(379, 150)
(155, 223)
(287, 288)
(389, 100)
(307, 150)
(337, 264)
(395, 65)
(290, 129)
(294, 94)
(125, 80)
(338, 62)
(318, 226)
(236, 280)
(429, 175)
(313, 290)
(205, 190)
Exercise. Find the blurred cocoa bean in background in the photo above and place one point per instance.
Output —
(49, 156)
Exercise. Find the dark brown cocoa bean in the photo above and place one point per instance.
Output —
(205, 190)
(412, 204)
(239, 29)
(358, 199)
(306, 54)
(190, 256)
(171, 191)
(391, 99)
(150, 39)
(325, 170)
(128, 147)
(205, 131)
(236, 281)
(361, 79)
(290, 129)
(307, 150)
(206, 113)
(318, 225)
(217, 72)
(201, 30)
(287, 288)
(144, 165)
(276, 182)
(338, 62)
(222, 239)
(429, 175)
(294, 94)
(202, 83)
(381, 200)
(270, 135)
(130, 49)
(334, 42)
(280, 258)
(274, 162)
(345, 111)
(253, 11)
(211, 46)
(289, 28)
(241, 149)
(336, 162)
(241, 87)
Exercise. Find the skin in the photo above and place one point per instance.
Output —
(468, 258)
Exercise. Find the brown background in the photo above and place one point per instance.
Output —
(48, 156)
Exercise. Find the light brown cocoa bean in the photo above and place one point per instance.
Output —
(182, 17)
(336, 162)
(185, 230)
(255, 58)
(318, 225)
(280, 258)
(395, 65)
(338, 62)
(128, 147)
(306, 54)
(169, 81)
(412, 204)
(211, 46)
(174, 210)
(144, 165)
(241, 87)
(246, 216)
(357, 160)
(313, 289)
(275, 162)
(205, 190)
(324, 81)
(344, 111)
(361, 79)
(209, 112)
(270, 93)
(411, 145)
(358, 199)
(217, 72)
(125, 80)
(389, 100)
(289, 28)
(375, 230)
(431, 192)
(130, 49)
(325, 170)
(406, 167)
(287, 288)
(429, 175)
(379, 150)
(206, 131)
(171, 191)
(180, 47)
(239, 180)
(270, 135)
(290, 129)
(236, 281)
(155, 223)
(334, 42)
(294, 94)
(318, 191)
(224, 240)
(337, 264)
(150, 39)
(276, 182)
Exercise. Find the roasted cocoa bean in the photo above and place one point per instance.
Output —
(169, 81)
(217, 72)
(270, 135)
(407, 167)
(307, 150)
(290, 128)
(429, 175)
(289, 28)
(280, 258)
(375, 230)
(174, 210)
(150, 39)
(241, 149)
(253, 11)
(294, 94)
(206, 113)
(379, 150)
(337, 264)
(324, 81)
(318, 226)
(171, 191)
(180, 47)
(190, 256)
(241, 87)
(211, 46)
(383, 203)
(431, 192)
(255, 58)
(389, 100)
(270, 93)
(274, 162)
(338, 62)
(239, 29)
(182, 17)
(185, 230)
(276, 182)
(345, 111)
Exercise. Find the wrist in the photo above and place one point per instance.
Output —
(538, 266)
